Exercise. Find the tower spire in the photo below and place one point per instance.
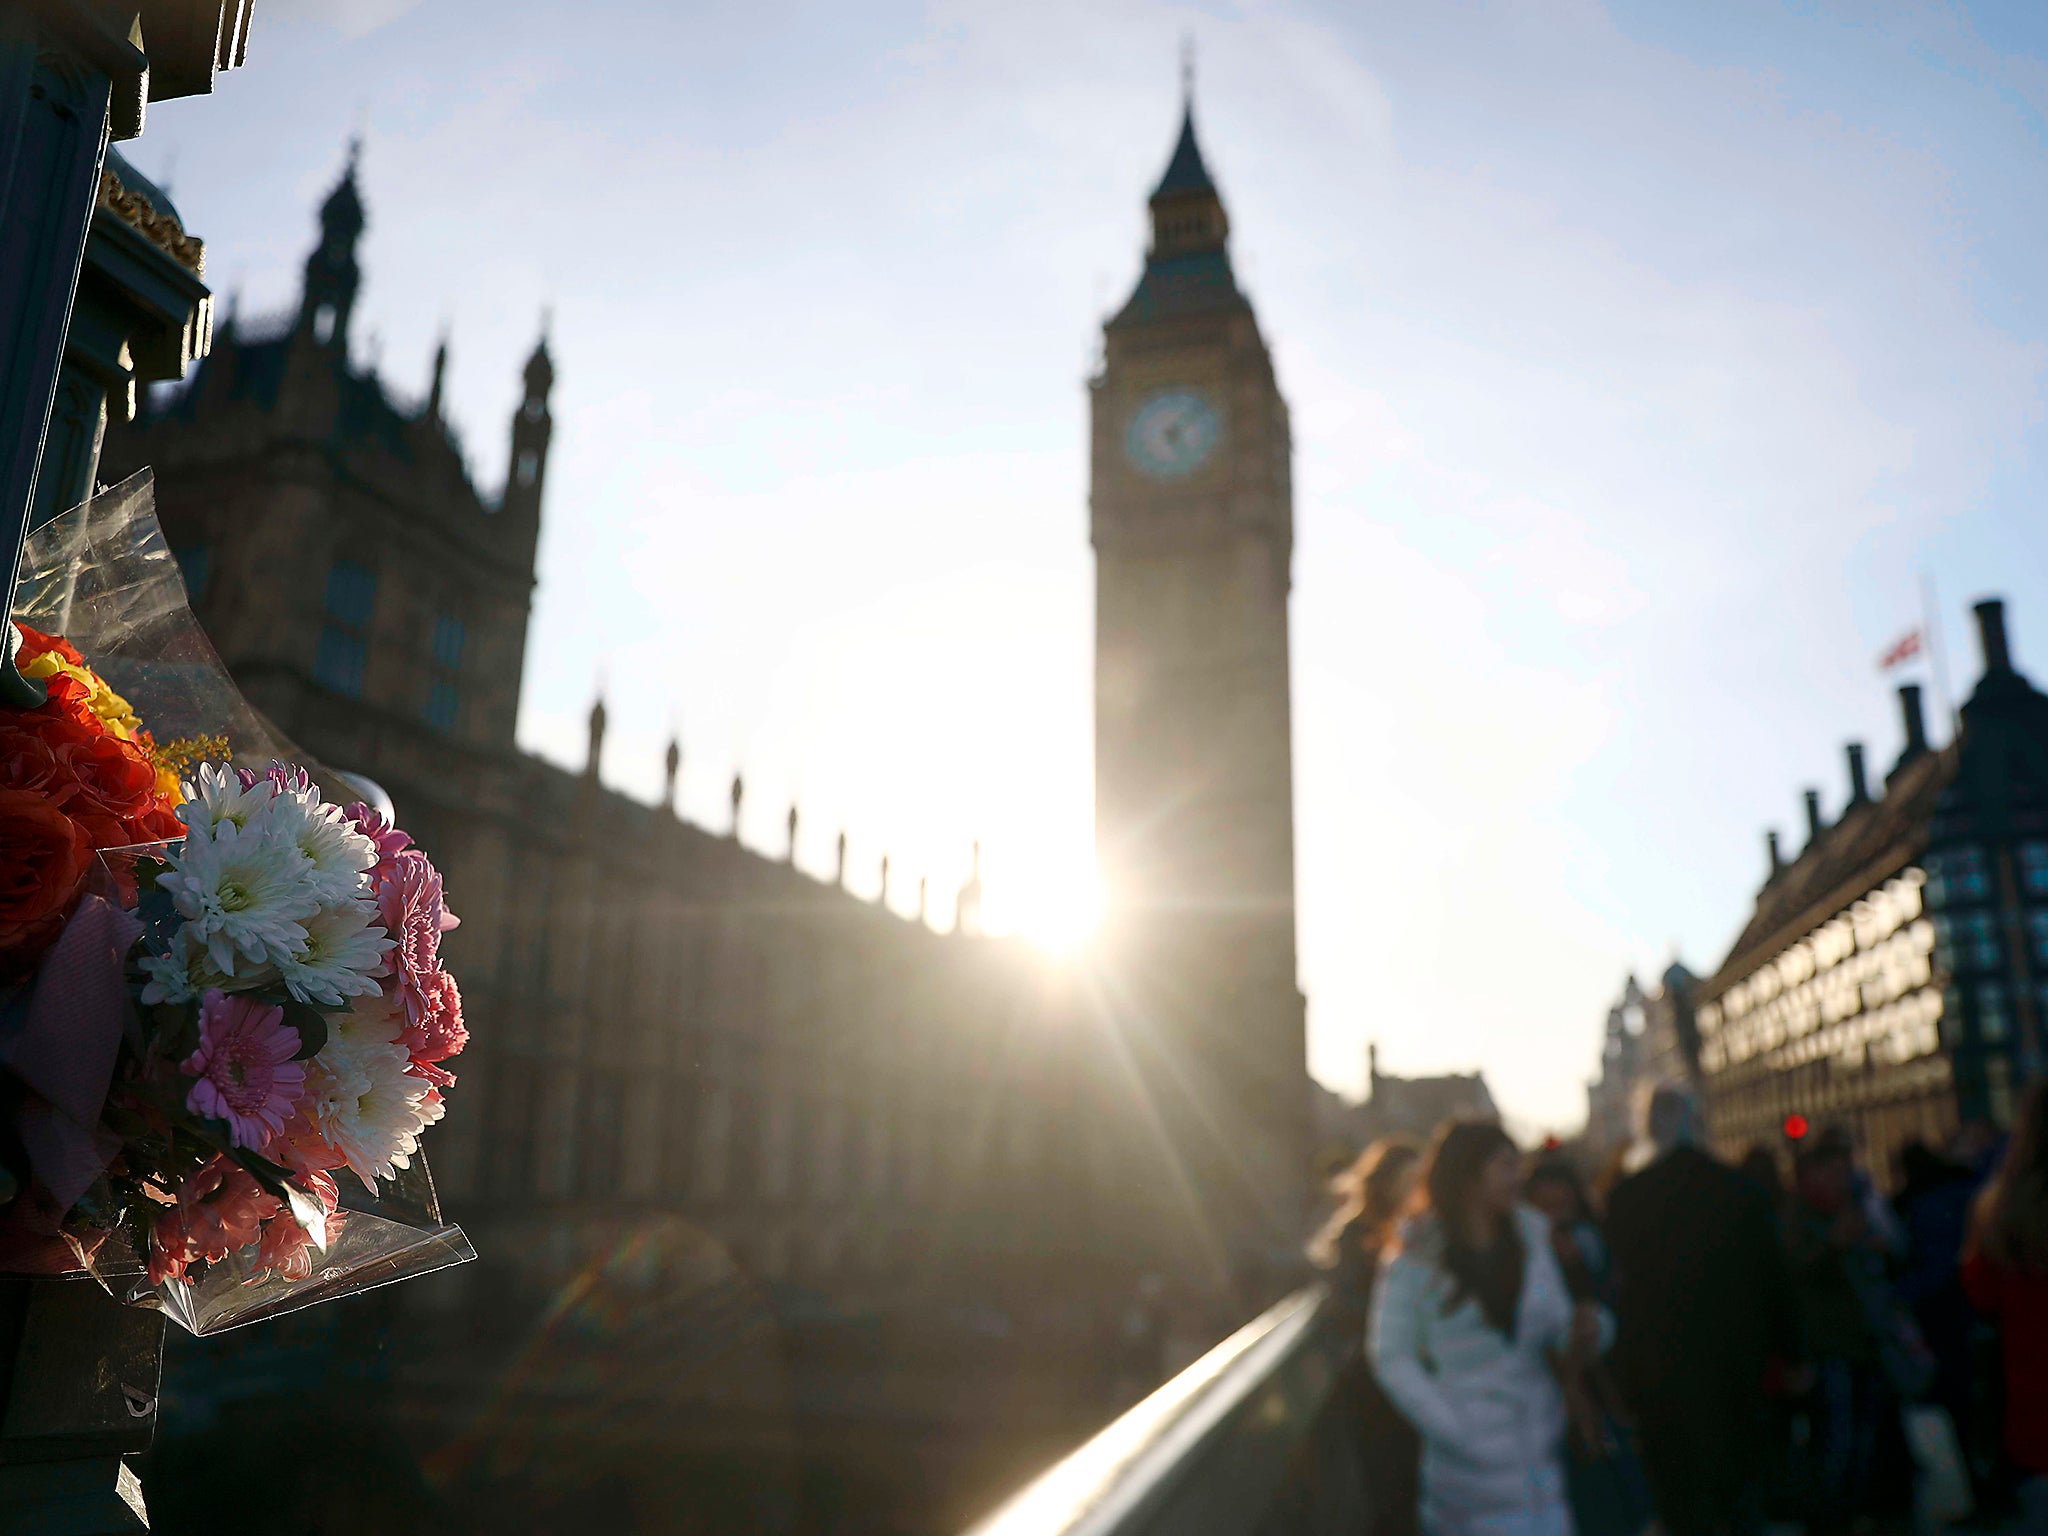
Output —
(332, 277)
(1187, 74)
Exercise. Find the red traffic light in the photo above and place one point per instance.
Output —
(1795, 1127)
(1551, 1144)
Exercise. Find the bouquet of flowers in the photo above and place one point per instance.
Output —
(221, 1005)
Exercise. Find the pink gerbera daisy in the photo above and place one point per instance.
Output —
(246, 1075)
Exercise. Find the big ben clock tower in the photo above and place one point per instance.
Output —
(1192, 523)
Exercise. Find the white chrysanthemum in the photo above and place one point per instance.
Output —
(368, 1107)
(370, 1019)
(341, 950)
(337, 855)
(243, 892)
(216, 795)
(188, 971)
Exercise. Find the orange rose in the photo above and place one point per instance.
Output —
(65, 698)
(44, 856)
(35, 643)
(117, 788)
(28, 761)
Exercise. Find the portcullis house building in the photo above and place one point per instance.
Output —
(1894, 976)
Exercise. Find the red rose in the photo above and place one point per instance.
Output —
(105, 784)
(44, 855)
(116, 787)
(27, 761)
(35, 643)
(66, 698)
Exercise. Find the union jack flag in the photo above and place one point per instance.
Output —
(1904, 649)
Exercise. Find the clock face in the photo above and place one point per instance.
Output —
(1173, 434)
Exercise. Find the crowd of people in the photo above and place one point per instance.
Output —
(1706, 1347)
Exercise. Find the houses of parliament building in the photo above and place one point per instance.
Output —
(791, 1213)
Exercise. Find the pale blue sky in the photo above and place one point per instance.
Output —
(1641, 356)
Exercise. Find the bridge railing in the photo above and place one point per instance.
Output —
(1256, 1437)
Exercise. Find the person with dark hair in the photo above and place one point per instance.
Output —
(1374, 1193)
(1838, 1240)
(1933, 1211)
(1470, 1312)
(2005, 1273)
(1703, 1304)
(1555, 1188)
(1761, 1167)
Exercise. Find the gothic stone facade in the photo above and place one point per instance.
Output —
(707, 1095)
(679, 1047)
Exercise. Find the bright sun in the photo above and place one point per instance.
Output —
(1056, 908)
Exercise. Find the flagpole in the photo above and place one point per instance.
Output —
(1930, 619)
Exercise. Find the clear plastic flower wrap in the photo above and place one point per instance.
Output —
(224, 1024)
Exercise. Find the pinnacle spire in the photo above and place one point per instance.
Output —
(1185, 172)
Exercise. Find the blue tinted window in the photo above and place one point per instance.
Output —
(448, 642)
(351, 593)
(1977, 941)
(1992, 1024)
(442, 702)
(338, 664)
(2034, 867)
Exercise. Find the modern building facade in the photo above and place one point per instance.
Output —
(1890, 980)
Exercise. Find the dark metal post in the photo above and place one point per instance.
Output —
(58, 71)
(78, 1372)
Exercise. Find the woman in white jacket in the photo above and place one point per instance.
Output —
(1467, 1320)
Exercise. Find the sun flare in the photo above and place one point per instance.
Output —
(1057, 908)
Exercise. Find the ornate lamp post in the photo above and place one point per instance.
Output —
(78, 1373)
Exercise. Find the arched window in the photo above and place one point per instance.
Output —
(444, 694)
(344, 648)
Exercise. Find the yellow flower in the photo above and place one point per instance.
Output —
(109, 707)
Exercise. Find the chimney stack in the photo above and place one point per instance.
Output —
(1814, 825)
(1777, 858)
(1859, 790)
(1991, 634)
(839, 866)
(673, 763)
(790, 857)
(1915, 722)
(739, 794)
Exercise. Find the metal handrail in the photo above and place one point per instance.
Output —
(1127, 1472)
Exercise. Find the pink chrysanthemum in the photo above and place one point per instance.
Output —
(246, 1075)
(283, 780)
(219, 1210)
(409, 905)
(370, 822)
